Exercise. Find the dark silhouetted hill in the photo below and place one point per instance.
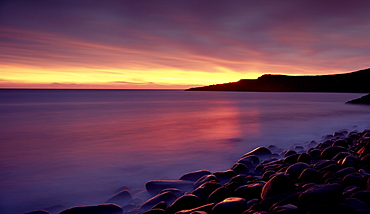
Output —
(362, 100)
(358, 81)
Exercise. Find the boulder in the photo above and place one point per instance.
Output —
(121, 198)
(309, 175)
(320, 194)
(97, 209)
(363, 196)
(185, 202)
(204, 190)
(260, 152)
(224, 176)
(194, 176)
(155, 211)
(249, 191)
(167, 197)
(155, 186)
(38, 212)
(330, 152)
(219, 194)
(204, 209)
(240, 169)
(295, 170)
(277, 185)
(204, 179)
(234, 205)
(250, 160)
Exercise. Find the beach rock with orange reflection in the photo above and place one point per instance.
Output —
(333, 174)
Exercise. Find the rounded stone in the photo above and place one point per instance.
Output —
(155, 211)
(240, 168)
(363, 196)
(321, 194)
(260, 152)
(309, 175)
(167, 197)
(204, 179)
(350, 160)
(121, 198)
(96, 209)
(249, 191)
(304, 158)
(204, 190)
(38, 212)
(289, 152)
(331, 151)
(278, 184)
(156, 186)
(194, 176)
(224, 176)
(250, 160)
(185, 202)
(345, 171)
(296, 169)
(219, 194)
(234, 205)
(365, 160)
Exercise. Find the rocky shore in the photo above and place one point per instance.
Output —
(329, 176)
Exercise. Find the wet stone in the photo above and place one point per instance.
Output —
(291, 158)
(96, 209)
(304, 158)
(363, 196)
(330, 152)
(289, 152)
(296, 169)
(278, 184)
(249, 191)
(167, 197)
(155, 211)
(38, 212)
(260, 152)
(240, 168)
(233, 205)
(185, 202)
(225, 176)
(350, 161)
(322, 194)
(219, 194)
(121, 198)
(309, 175)
(343, 172)
(204, 209)
(156, 186)
(341, 155)
(204, 179)
(194, 176)
(204, 190)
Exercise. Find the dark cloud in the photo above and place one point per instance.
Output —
(186, 34)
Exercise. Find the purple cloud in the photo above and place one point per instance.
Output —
(187, 35)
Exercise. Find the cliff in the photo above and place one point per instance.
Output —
(362, 100)
(358, 81)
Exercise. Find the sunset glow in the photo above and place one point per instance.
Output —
(176, 44)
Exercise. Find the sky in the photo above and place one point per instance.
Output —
(177, 44)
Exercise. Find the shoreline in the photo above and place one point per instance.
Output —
(326, 177)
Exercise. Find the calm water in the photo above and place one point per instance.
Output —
(77, 147)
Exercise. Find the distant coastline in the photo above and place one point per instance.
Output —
(353, 82)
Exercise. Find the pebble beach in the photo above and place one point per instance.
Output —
(328, 176)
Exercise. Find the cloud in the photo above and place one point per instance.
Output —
(308, 36)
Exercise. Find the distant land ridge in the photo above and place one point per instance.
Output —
(358, 81)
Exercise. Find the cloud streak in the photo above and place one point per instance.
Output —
(244, 37)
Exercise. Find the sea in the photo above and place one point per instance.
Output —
(63, 148)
